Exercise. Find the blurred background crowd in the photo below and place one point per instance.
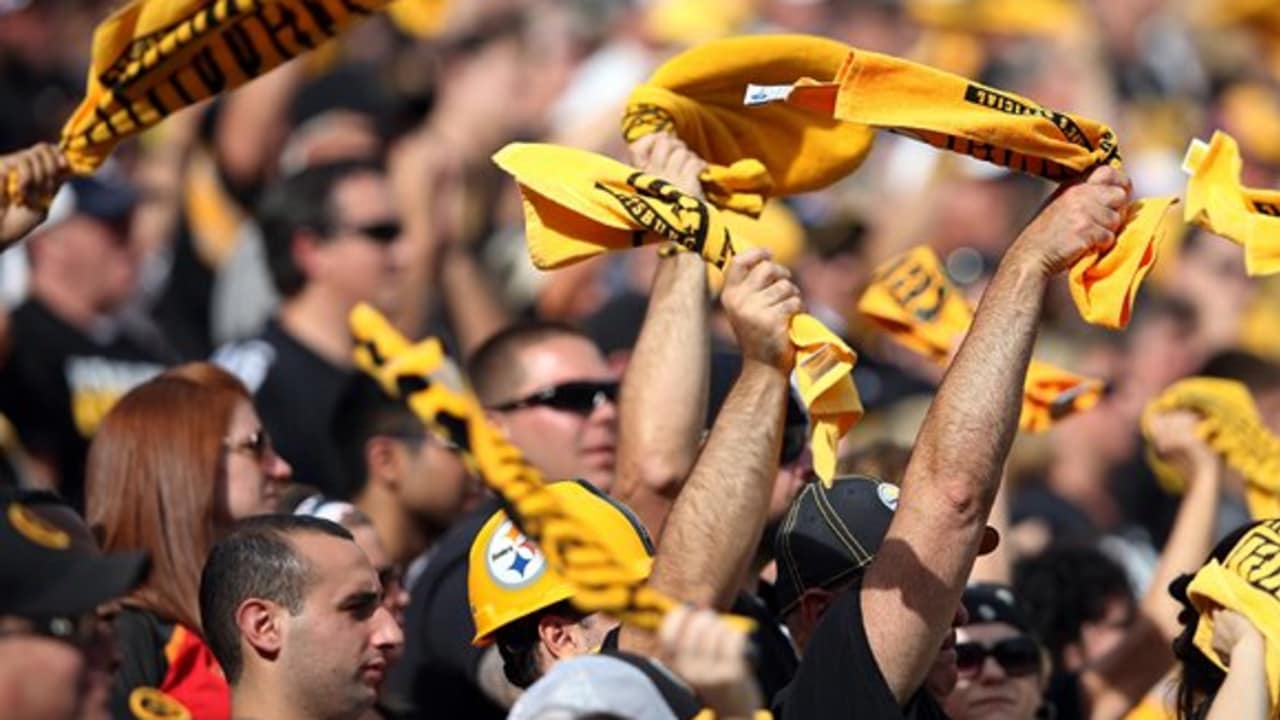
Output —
(169, 255)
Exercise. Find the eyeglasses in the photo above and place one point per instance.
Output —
(1019, 656)
(382, 233)
(80, 631)
(576, 397)
(257, 446)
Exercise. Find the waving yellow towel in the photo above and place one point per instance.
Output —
(911, 298)
(753, 153)
(1218, 203)
(578, 204)
(1247, 583)
(1231, 425)
(953, 113)
(152, 58)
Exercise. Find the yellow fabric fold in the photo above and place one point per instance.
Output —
(1231, 425)
(1103, 285)
(953, 113)
(578, 204)
(1217, 202)
(753, 153)
(1248, 582)
(423, 376)
(1052, 18)
(152, 58)
(911, 298)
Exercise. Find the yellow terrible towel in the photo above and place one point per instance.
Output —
(1248, 582)
(953, 113)
(1231, 425)
(753, 153)
(578, 204)
(152, 58)
(911, 298)
(1218, 203)
(603, 581)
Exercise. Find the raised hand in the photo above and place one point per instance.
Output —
(665, 156)
(31, 177)
(1080, 218)
(712, 658)
(760, 299)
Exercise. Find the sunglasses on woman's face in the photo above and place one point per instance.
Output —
(256, 445)
(1018, 656)
(576, 397)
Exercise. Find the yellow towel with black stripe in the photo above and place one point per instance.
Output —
(752, 153)
(425, 378)
(1232, 426)
(911, 299)
(953, 113)
(152, 58)
(1217, 202)
(1246, 581)
(578, 205)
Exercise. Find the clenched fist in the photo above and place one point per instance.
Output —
(31, 177)
(1080, 218)
(760, 299)
(665, 156)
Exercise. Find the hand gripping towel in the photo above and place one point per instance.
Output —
(1218, 203)
(1231, 425)
(912, 300)
(953, 113)
(578, 204)
(753, 153)
(1248, 582)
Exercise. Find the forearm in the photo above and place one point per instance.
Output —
(1243, 694)
(476, 312)
(664, 392)
(251, 128)
(713, 529)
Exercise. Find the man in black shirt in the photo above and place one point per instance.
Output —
(882, 646)
(72, 351)
(333, 240)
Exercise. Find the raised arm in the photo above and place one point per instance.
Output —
(1119, 680)
(913, 587)
(716, 523)
(664, 390)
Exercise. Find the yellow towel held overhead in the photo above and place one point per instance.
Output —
(1217, 202)
(911, 299)
(152, 58)
(578, 204)
(1231, 425)
(1246, 582)
(953, 113)
(753, 153)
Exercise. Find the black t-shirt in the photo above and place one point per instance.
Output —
(839, 678)
(437, 675)
(296, 392)
(57, 383)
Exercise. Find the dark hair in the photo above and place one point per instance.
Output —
(302, 201)
(493, 369)
(363, 412)
(255, 560)
(1066, 587)
(518, 643)
(1200, 678)
(1257, 374)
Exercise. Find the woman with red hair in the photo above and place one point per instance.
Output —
(174, 463)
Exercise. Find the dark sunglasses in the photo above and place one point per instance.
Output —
(257, 445)
(1019, 656)
(576, 397)
(382, 233)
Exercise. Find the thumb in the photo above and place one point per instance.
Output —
(742, 263)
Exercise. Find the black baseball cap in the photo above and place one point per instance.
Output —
(993, 602)
(830, 534)
(46, 571)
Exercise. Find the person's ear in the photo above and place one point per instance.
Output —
(813, 605)
(261, 625)
(559, 636)
(305, 247)
(383, 462)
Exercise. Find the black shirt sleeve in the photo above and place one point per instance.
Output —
(838, 676)
(140, 639)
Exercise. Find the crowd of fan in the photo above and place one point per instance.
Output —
(208, 509)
